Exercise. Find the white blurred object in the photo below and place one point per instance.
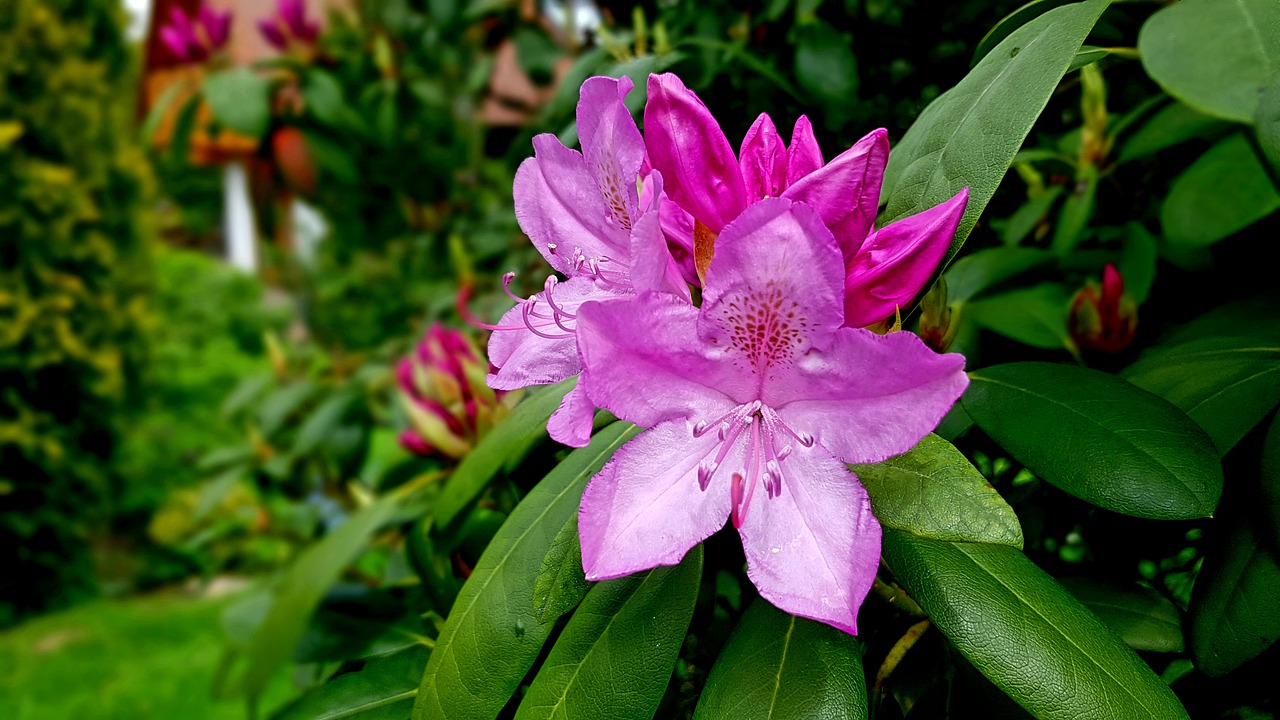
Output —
(309, 228)
(586, 16)
(139, 17)
(237, 219)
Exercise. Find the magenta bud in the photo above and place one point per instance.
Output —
(1102, 316)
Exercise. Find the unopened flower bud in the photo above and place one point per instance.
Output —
(443, 390)
(936, 328)
(1103, 317)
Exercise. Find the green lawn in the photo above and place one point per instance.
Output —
(143, 657)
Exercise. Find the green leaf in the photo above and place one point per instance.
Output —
(299, 592)
(1099, 438)
(618, 650)
(1223, 192)
(1214, 55)
(280, 404)
(1025, 633)
(1234, 614)
(1142, 617)
(381, 690)
(932, 491)
(1173, 125)
(561, 582)
(951, 144)
(492, 635)
(1270, 486)
(1137, 263)
(324, 99)
(825, 65)
(240, 99)
(1011, 22)
(1268, 122)
(322, 422)
(1222, 368)
(777, 667)
(1036, 316)
(979, 271)
(1077, 211)
(502, 449)
(1029, 215)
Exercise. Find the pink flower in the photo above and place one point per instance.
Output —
(289, 25)
(196, 39)
(761, 389)
(583, 212)
(884, 269)
(444, 394)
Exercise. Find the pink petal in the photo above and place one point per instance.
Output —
(558, 204)
(846, 191)
(645, 364)
(611, 144)
(272, 34)
(177, 43)
(677, 227)
(645, 508)
(774, 288)
(813, 549)
(571, 423)
(294, 13)
(219, 28)
(686, 145)
(652, 267)
(804, 156)
(869, 397)
(897, 260)
(524, 358)
(763, 159)
(411, 441)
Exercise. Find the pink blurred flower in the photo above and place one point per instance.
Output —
(1103, 317)
(289, 25)
(196, 39)
(710, 186)
(443, 390)
(762, 386)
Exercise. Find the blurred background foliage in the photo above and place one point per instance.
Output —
(164, 417)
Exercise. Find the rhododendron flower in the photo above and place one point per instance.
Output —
(444, 394)
(753, 404)
(884, 268)
(289, 25)
(197, 38)
(583, 212)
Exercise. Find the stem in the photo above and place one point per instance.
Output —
(897, 652)
(893, 594)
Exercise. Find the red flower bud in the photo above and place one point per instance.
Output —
(1103, 317)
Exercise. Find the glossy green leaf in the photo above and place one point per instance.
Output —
(500, 450)
(1234, 614)
(561, 583)
(1036, 316)
(1099, 438)
(1222, 368)
(1172, 125)
(240, 99)
(1077, 211)
(952, 144)
(492, 635)
(618, 650)
(304, 584)
(1214, 55)
(1025, 633)
(383, 689)
(1011, 22)
(933, 491)
(778, 666)
(1223, 192)
(979, 271)
(1142, 617)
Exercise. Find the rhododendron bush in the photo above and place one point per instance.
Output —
(964, 424)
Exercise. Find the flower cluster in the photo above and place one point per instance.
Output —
(770, 385)
(289, 26)
(444, 394)
(198, 37)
